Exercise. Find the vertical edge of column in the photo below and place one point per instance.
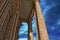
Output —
(37, 33)
(40, 21)
(30, 32)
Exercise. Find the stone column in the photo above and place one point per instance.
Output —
(36, 25)
(40, 21)
(30, 33)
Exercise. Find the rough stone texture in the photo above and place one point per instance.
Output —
(9, 19)
(41, 25)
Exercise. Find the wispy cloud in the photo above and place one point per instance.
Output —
(51, 13)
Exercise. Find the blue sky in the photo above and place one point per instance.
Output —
(51, 13)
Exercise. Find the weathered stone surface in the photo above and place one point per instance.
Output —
(41, 25)
(8, 19)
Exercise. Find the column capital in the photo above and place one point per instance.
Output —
(36, 1)
(29, 20)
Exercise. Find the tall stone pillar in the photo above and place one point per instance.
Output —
(30, 33)
(42, 35)
(36, 25)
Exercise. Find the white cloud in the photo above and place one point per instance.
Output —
(52, 28)
(58, 23)
(23, 29)
(59, 38)
(22, 39)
